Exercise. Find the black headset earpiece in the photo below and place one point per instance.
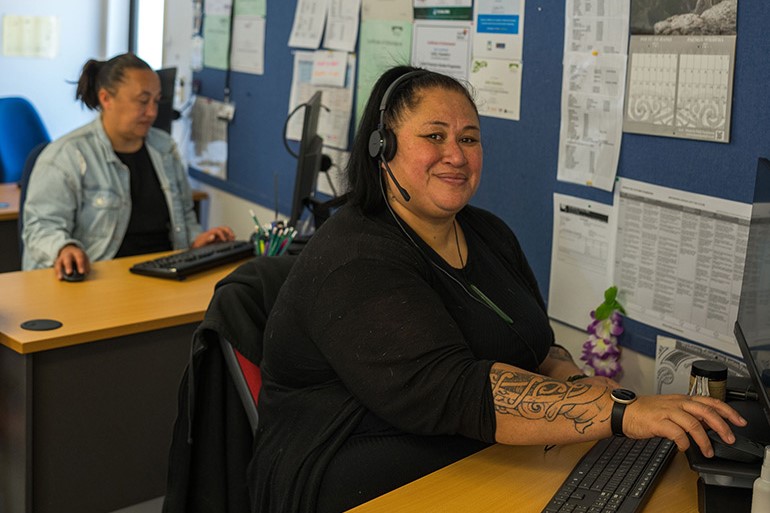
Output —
(382, 142)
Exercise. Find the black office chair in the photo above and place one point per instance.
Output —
(26, 173)
(217, 417)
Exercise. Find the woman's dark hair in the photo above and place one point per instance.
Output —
(105, 74)
(363, 170)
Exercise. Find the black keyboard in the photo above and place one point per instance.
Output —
(180, 265)
(615, 476)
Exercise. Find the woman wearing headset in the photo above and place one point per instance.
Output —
(411, 331)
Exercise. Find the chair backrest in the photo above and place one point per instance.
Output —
(247, 379)
(21, 129)
(268, 273)
(29, 164)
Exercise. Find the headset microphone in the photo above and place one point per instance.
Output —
(382, 141)
(403, 192)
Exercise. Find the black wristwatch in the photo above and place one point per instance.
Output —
(622, 397)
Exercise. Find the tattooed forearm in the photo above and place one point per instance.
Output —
(535, 397)
(559, 353)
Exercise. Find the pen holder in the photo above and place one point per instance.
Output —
(272, 241)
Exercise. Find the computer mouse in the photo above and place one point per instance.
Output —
(744, 449)
(73, 275)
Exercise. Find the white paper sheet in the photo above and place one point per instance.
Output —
(248, 46)
(443, 46)
(592, 119)
(342, 25)
(384, 44)
(218, 7)
(597, 25)
(499, 30)
(581, 258)
(30, 36)
(309, 22)
(498, 87)
(329, 68)
(392, 10)
(334, 124)
(592, 95)
(679, 261)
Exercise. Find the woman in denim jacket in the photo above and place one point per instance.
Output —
(115, 187)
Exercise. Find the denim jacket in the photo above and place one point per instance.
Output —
(79, 193)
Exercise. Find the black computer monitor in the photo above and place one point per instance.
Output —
(308, 160)
(166, 112)
(752, 327)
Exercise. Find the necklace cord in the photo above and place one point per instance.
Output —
(471, 290)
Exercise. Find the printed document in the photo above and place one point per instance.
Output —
(342, 25)
(334, 121)
(581, 258)
(443, 46)
(592, 95)
(679, 261)
(499, 29)
(309, 22)
(498, 87)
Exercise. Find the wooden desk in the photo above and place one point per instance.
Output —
(10, 260)
(522, 479)
(86, 410)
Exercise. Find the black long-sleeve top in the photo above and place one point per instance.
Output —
(372, 325)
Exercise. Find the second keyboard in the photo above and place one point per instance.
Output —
(180, 265)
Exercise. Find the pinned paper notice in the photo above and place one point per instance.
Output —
(30, 36)
(329, 68)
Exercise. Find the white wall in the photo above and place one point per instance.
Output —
(84, 34)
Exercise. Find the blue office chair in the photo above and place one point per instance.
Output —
(21, 129)
(29, 164)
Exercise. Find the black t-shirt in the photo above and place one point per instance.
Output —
(149, 225)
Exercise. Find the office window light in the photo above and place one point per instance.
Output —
(149, 31)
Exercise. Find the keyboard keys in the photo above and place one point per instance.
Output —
(615, 476)
(180, 265)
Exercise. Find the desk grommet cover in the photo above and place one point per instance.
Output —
(41, 324)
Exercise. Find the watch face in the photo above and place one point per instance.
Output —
(623, 395)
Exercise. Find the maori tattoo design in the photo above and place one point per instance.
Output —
(536, 397)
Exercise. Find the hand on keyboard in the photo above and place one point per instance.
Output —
(218, 234)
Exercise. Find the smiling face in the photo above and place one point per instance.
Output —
(438, 158)
(130, 109)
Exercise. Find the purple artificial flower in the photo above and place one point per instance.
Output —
(601, 351)
(605, 366)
